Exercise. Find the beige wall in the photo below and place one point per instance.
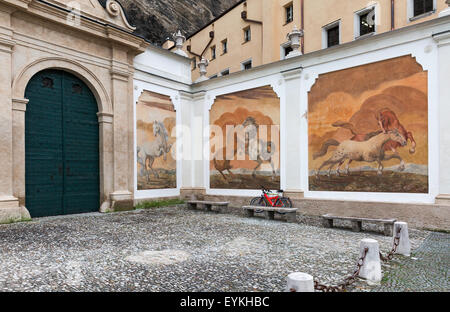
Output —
(266, 47)
(319, 13)
(231, 28)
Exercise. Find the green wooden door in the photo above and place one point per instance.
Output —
(61, 146)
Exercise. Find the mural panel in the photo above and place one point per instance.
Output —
(156, 163)
(368, 129)
(247, 123)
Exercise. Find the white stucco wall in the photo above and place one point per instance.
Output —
(158, 62)
(291, 80)
(166, 73)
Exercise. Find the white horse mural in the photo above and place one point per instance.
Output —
(367, 151)
(150, 151)
(265, 149)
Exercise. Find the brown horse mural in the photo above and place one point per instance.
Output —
(366, 116)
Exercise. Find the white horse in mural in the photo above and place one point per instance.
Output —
(160, 147)
(367, 151)
(261, 154)
(265, 149)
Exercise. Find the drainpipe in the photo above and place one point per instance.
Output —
(392, 14)
(246, 19)
(211, 38)
(302, 24)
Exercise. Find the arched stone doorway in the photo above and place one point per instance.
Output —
(61, 145)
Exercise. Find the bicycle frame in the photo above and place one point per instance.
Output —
(273, 200)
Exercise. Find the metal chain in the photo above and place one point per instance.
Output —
(347, 281)
(390, 255)
(352, 278)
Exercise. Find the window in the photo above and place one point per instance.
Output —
(226, 72)
(246, 65)
(423, 6)
(287, 50)
(247, 34)
(225, 46)
(213, 53)
(194, 63)
(417, 9)
(213, 76)
(333, 36)
(367, 22)
(289, 13)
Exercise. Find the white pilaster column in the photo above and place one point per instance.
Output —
(443, 41)
(293, 129)
(185, 138)
(198, 139)
(192, 130)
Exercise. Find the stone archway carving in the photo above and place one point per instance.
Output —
(21, 80)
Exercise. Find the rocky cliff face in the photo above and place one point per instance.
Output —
(158, 19)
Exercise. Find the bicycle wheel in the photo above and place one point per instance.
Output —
(283, 202)
(258, 201)
(286, 202)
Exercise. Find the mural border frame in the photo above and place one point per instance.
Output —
(425, 51)
(276, 82)
(139, 87)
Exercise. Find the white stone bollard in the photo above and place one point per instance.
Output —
(371, 269)
(404, 247)
(300, 282)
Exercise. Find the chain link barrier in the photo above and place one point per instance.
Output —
(351, 279)
(391, 254)
(347, 281)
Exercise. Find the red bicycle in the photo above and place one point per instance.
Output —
(270, 199)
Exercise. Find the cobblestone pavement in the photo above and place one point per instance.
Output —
(426, 270)
(174, 249)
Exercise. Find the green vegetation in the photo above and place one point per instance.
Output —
(385, 278)
(437, 230)
(14, 220)
(159, 203)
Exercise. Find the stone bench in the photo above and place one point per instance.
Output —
(207, 205)
(269, 212)
(357, 223)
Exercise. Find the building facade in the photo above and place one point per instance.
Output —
(94, 118)
(66, 107)
(254, 32)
